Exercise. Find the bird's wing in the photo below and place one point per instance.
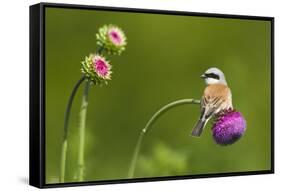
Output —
(212, 99)
(209, 106)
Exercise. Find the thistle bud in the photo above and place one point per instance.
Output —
(112, 39)
(97, 69)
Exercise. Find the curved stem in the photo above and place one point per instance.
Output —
(148, 126)
(65, 133)
(82, 128)
(69, 105)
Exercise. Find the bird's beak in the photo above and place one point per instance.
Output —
(203, 76)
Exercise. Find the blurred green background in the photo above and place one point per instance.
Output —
(164, 58)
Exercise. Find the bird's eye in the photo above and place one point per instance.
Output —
(213, 75)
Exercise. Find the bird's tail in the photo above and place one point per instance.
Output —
(198, 128)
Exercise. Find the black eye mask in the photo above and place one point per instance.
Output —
(212, 75)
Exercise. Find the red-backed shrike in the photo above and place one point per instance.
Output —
(216, 98)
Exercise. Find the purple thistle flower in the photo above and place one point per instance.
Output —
(101, 67)
(112, 39)
(116, 36)
(228, 127)
(97, 69)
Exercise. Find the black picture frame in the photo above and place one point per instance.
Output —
(37, 94)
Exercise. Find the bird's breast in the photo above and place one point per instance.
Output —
(217, 90)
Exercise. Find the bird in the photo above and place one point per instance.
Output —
(216, 98)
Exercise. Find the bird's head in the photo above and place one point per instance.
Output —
(214, 76)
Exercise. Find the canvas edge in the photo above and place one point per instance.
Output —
(36, 130)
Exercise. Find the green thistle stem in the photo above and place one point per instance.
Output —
(82, 128)
(148, 126)
(65, 133)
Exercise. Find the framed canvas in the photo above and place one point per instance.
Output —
(116, 95)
